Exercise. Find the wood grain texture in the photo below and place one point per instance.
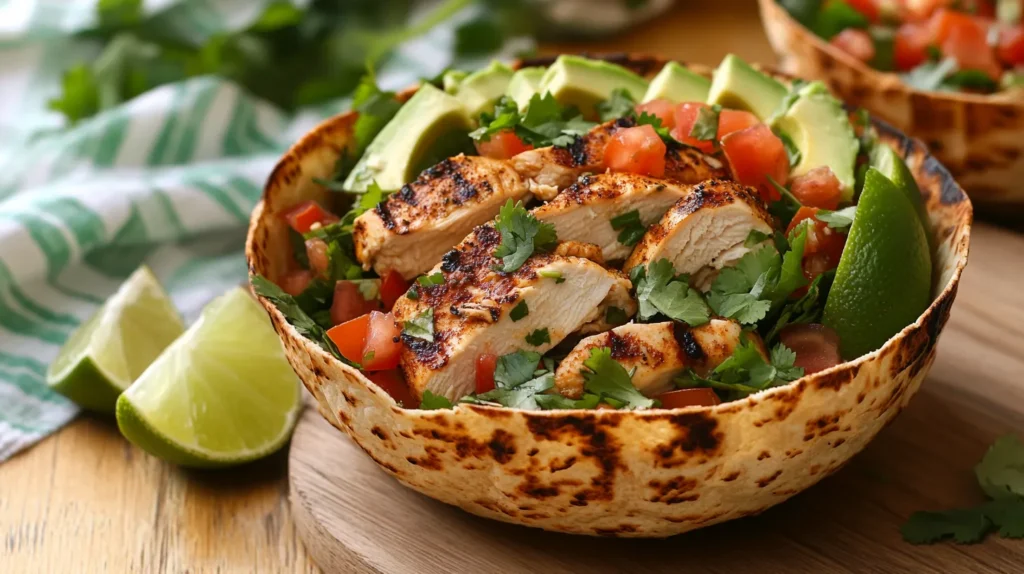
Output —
(355, 518)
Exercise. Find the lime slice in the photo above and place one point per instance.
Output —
(883, 282)
(221, 394)
(110, 350)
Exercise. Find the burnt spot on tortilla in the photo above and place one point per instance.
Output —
(673, 490)
(379, 433)
(765, 481)
(731, 476)
(503, 446)
(840, 441)
(695, 435)
(794, 453)
(823, 425)
(350, 399)
(559, 465)
(620, 529)
(836, 379)
(764, 454)
(596, 444)
(687, 342)
(344, 419)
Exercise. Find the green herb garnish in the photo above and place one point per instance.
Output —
(421, 326)
(660, 291)
(522, 234)
(539, 337)
(608, 379)
(631, 229)
(519, 311)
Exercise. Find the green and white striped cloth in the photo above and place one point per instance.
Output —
(168, 179)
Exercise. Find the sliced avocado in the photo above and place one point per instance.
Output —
(886, 160)
(737, 85)
(584, 83)
(431, 126)
(819, 127)
(479, 90)
(451, 80)
(524, 84)
(678, 84)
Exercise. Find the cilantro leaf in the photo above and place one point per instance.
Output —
(519, 311)
(539, 337)
(1001, 472)
(421, 326)
(521, 235)
(806, 309)
(544, 123)
(522, 396)
(744, 307)
(786, 207)
(558, 402)
(755, 237)
(791, 274)
(552, 274)
(783, 359)
(619, 105)
(413, 293)
(964, 525)
(607, 378)
(841, 219)
(432, 402)
(705, 127)
(431, 280)
(292, 311)
(631, 229)
(646, 119)
(515, 369)
(746, 371)
(1008, 515)
(660, 290)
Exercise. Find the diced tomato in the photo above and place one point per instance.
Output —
(636, 150)
(1011, 46)
(754, 154)
(921, 9)
(663, 109)
(393, 383)
(816, 346)
(295, 282)
(910, 48)
(392, 287)
(486, 363)
(869, 8)
(349, 303)
(701, 397)
(857, 43)
(735, 120)
(383, 343)
(316, 252)
(824, 245)
(502, 145)
(817, 188)
(350, 337)
(965, 39)
(303, 216)
(685, 117)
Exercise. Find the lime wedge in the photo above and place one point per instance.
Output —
(221, 394)
(110, 350)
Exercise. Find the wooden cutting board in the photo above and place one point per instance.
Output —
(355, 518)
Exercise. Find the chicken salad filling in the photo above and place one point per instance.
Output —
(605, 242)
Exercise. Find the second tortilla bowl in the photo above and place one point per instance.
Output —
(651, 473)
(979, 138)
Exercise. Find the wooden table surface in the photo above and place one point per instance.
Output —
(84, 499)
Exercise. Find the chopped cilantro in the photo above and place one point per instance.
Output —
(646, 119)
(421, 326)
(552, 274)
(539, 337)
(619, 105)
(755, 237)
(746, 371)
(413, 293)
(631, 229)
(519, 311)
(432, 402)
(806, 309)
(299, 248)
(660, 291)
(615, 316)
(607, 378)
(431, 280)
(369, 356)
(544, 123)
(518, 382)
(840, 219)
(930, 76)
(291, 310)
(1001, 472)
(522, 234)
(558, 402)
(705, 127)
(515, 368)
(786, 207)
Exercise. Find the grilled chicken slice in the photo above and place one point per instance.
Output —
(705, 231)
(414, 227)
(658, 351)
(551, 169)
(472, 307)
(584, 210)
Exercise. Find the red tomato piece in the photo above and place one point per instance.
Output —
(824, 245)
(393, 383)
(921, 9)
(383, 343)
(965, 39)
(1011, 46)
(817, 188)
(636, 150)
(869, 8)
(663, 109)
(685, 117)
(392, 287)
(304, 216)
(502, 145)
(755, 154)
(350, 337)
(349, 303)
(816, 346)
(295, 282)
(735, 120)
(486, 363)
(316, 252)
(857, 43)
(910, 47)
(701, 397)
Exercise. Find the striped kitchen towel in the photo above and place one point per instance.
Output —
(168, 178)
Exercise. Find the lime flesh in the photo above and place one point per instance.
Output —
(883, 282)
(221, 394)
(109, 351)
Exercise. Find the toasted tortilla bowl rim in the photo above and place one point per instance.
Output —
(322, 145)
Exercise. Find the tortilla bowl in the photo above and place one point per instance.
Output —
(979, 138)
(648, 473)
